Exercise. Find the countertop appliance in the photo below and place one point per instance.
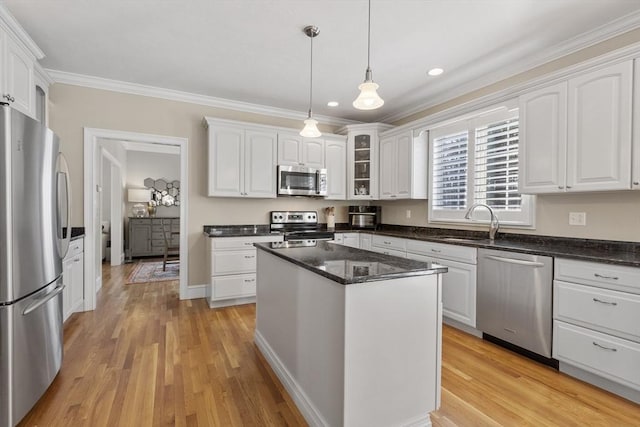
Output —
(34, 238)
(514, 297)
(365, 216)
(299, 225)
(301, 181)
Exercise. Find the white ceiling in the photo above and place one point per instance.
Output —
(254, 51)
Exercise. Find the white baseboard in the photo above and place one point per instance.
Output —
(195, 292)
(306, 407)
(459, 325)
(230, 302)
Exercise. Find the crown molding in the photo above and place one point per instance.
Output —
(597, 35)
(18, 33)
(192, 98)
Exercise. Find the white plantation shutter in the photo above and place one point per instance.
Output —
(475, 160)
(450, 158)
(496, 165)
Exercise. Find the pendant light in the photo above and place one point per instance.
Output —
(368, 98)
(310, 129)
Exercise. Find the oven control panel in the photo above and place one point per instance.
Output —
(294, 217)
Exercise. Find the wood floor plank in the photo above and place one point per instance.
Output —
(144, 357)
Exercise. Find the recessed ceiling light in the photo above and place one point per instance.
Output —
(435, 71)
(333, 103)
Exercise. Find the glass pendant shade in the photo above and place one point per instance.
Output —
(368, 98)
(310, 129)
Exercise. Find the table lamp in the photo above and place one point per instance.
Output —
(139, 196)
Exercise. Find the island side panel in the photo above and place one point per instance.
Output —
(300, 318)
(392, 350)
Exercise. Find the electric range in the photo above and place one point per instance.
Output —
(299, 225)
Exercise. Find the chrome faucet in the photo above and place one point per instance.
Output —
(494, 224)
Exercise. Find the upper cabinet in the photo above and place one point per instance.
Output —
(18, 56)
(576, 135)
(242, 160)
(403, 166)
(635, 169)
(298, 151)
(362, 160)
(335, 155)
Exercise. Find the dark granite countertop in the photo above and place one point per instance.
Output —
(347, 265)
(238, 230)
(605, 251)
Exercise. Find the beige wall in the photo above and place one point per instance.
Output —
(72, 108)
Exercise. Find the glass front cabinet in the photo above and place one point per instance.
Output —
(363, 160)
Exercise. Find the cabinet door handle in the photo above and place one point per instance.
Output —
(636, 183)
(393, 195)
(568, 186)
(560, 187)
(604, 302)
(603, 347)
(249, 256)
(76, 260)
(600, 276)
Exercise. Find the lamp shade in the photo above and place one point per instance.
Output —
(310, 129)
(138, 195)
(368, 98)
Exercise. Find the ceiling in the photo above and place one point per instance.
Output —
(254, 51)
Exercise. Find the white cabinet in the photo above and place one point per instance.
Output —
(232, 267)
(362, 160)
(403, 166)
(389, 245)
(596, 332)
(459, 283)
(576, 135)
(242, 161)
(347, 239)
(365, 241)
(73, 278)
(298, 151)
(335, 156)
(635, 168)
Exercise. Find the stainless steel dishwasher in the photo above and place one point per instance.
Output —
(514, 294)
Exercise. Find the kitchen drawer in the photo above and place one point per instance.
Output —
(616, 277)
(157, 235)
(440, 250)
(386, 242)
(158, 221)
(239, 243)
(613, 312)
(157, 243)
(76, 247)
(401, 254)
(233, 262)
(614, 358)
(242, 285)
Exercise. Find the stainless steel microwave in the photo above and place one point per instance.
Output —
(301, 181)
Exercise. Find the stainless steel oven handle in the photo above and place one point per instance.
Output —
(515, 261)
(40, 301)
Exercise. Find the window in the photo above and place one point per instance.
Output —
(475, 160)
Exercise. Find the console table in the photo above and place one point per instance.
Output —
(145, 235)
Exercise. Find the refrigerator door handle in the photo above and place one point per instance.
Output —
(63, 172)
(38, 302)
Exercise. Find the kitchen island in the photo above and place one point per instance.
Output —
(354, 336)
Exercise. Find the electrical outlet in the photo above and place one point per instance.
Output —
(577, 218)
(408, 213)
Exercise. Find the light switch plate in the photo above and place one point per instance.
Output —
(577, 218)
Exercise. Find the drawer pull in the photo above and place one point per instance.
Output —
(386, 243)
(250, 243)
(603, 347)
(436, 250)
(249, 280)
(604, 302)
(249, 256)
(600, 276)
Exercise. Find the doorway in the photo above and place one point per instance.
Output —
(93, 158)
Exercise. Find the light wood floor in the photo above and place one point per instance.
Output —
(145, 358)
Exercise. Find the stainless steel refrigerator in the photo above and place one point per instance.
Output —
(34, 237)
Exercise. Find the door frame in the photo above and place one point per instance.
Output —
(115, 206)
(92, 195)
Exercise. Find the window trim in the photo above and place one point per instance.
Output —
(524, 219)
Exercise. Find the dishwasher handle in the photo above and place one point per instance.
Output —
(515, 261)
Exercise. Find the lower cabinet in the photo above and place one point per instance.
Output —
(146, 235)
(458, 284)
(365, 241)
(347, 239)
(596, 324)
(73, 278)
(389, 245)
(232, 268)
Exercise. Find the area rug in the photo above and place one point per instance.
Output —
(152, 272)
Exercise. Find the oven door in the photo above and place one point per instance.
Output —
(301, 181)
(305, 235)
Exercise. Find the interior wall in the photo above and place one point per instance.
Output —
(72, 108)
(143, 164)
